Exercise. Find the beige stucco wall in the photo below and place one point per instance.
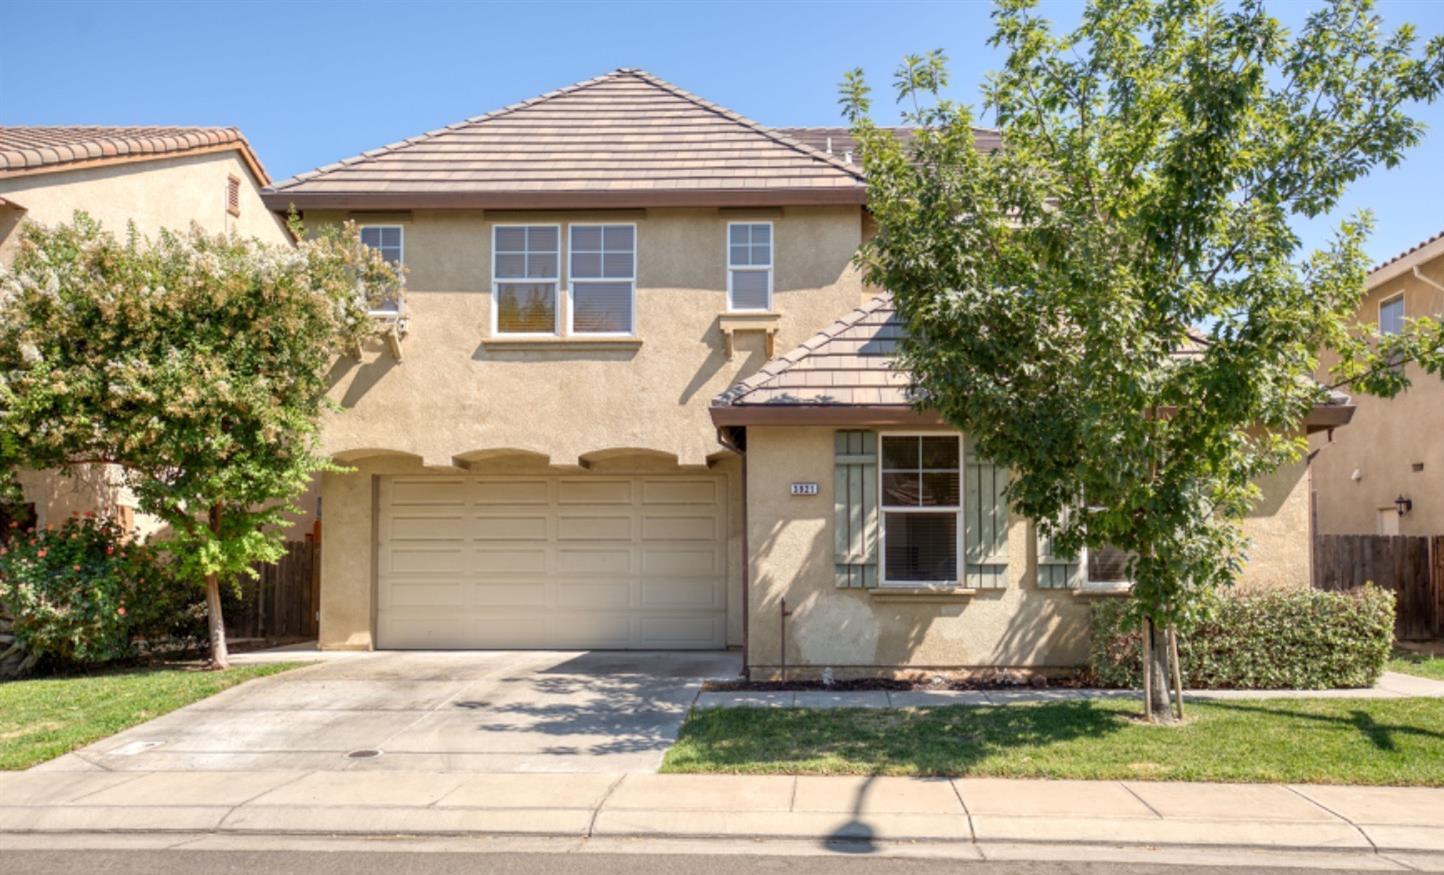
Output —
(163, 193)
(454, 400)
(1373, 461)
(791, 543)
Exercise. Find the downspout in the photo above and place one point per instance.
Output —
(725, 438)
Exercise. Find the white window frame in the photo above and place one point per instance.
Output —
(770, 268)
(571, 280)
(1403, 307)
(884, 509)
(496, 283)
(400, 230)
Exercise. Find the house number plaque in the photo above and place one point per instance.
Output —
(804, 489)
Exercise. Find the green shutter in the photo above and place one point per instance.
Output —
(1056, 570)
(854, 496)
(985, 521)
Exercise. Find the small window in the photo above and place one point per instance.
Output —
(1391, 315)
(233, 196)
(921, 502)
(603, 278)
(388, 241)
(526, 261)
(1108, 564)
(749, 266)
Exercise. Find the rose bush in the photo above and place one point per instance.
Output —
(84, 593)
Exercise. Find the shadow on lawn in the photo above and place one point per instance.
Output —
(1380, 735)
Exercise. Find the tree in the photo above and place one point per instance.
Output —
(195, 364)
(1114, 303)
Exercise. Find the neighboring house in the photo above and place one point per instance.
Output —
(1385, 473)
(154, 177)
(587, 437)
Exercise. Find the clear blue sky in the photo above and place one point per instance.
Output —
(312, 82)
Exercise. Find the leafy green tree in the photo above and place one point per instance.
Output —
(1114, 303)
(195, 364)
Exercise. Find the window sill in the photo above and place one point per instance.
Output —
(1104, 590)
(922, 594)
(569, 344)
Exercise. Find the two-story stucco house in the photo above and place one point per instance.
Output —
(1384, 474)
(152, 177)
(643, 397)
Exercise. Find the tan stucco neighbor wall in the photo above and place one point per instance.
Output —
(1392, 447)
(457, 400)
(164, 193)
(852, 630)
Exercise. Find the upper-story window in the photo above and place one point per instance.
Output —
(525, 263)
(603, 279)
(921, 503)
(387, 240)
(1391, 315)
(749, 266)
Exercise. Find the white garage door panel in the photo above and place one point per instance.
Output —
(561, 562)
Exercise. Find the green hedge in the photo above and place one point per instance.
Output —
(1294, 639)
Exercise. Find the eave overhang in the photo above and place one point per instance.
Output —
(281, 200)
(1321, 418)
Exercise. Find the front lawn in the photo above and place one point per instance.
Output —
(1422, 664)
(44, 718)
(1345, 741)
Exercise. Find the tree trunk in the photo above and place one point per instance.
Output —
(1157, 694)
(220, 657)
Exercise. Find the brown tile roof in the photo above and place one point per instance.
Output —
(47, 149)
(626, 138)
(841, 143)
(850, 362)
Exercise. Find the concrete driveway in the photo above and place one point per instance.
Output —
(430, 711)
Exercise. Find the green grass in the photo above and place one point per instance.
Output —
(1421, 664)
(44, 718)
(1347, 741)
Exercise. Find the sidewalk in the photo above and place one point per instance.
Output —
(818, 809)
(1392, 685)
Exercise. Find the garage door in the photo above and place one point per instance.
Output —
(551, 562)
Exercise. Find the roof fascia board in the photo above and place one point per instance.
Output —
(281, 200)
(1394, 269)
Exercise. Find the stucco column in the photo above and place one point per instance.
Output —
(347, 551)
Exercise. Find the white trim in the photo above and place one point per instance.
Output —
(883, 509)
(1379, 315)
(555, 280)
(572, 280)
(770, 268)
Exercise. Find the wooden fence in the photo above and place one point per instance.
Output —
(1412, 566)
(283, 602)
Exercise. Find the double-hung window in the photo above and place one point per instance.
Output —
(921, 504)
(526, 261)
(603, 279)
(749, 266)
(388, 241)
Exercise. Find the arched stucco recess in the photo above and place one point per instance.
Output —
(614, 456)
(502, 455)
(358, 454)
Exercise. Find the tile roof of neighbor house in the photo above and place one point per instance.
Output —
(26, 150)
(1417, 247)
(623, 139)
(839, 140)
(850, 364)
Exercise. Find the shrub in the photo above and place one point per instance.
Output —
(1290, 639)
(83, 594)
